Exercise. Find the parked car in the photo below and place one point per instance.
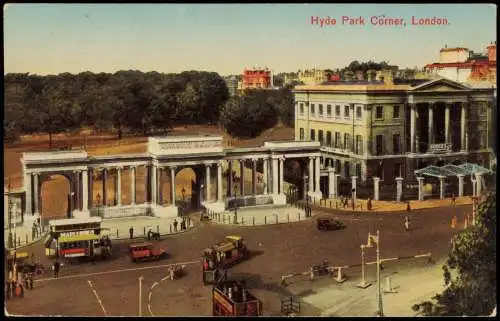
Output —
(329, 224)
(145, 252)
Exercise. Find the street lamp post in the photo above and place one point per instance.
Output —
(235, 208)
(363, 284)
(376, 239)
(140, 295)
(98, 197)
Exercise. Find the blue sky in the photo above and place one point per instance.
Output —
(226, 38)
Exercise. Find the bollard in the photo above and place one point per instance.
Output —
(330, 203)
(276, 218)
(242, 220)
(19, 241)
(299, 216)
(26, 238)
(223, 219)
(288, 217)
(253, 220)
(158, 229)
(144, 231)
(170, 228)
(265, 220)
(117, 233)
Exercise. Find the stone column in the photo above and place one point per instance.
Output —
(229, 177)
(413, 126)
(441, 187)
(36, 197)
(311, 174)
(337, 182)
(172, 185)
(147, 179)
(431, 125)
(266, 176)
(160, 186)
(318, 175)
(420, 188)
(118, 186)
(90, 190)
(282, 172)
(132, 184)
(207, 181)
(353, 187)
(153, 184)
(275, 176)
(463, 128)
(399, 188)
(85, 190)
(376, 188)
(447, 123)
(331, 183)
(104, 183)
(76, 199)
(219, 182)
(242, 177)
(479, 184)
(460, 185)
(28, 190)
(254, 178)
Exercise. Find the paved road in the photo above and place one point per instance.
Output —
(284, 249)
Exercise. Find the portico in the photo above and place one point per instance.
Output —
(167, 156)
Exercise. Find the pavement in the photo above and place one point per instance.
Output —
(261, 215)
(23, 235)
(392, 206)
(118, 228)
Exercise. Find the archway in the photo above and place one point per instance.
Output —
(54, 196)
(187, 184)
(294, 170)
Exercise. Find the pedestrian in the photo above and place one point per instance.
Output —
(408, 209)
(13, 287)
(56, 267)
(171, 273)
(175, 225)
(453, 199)
(150, 234)
(131, 231)
(33, 232)
(369, 204)
(205, 264)
(407, 224)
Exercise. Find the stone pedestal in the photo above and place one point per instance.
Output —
(81, 214)
(399, 189)
(376, 188)
(279, 199)
(315, 195)
(460, 185)
(164, 211)
(474, 187)
(420, 188)
(217, 207)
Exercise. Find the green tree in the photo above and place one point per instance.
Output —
(473, 257)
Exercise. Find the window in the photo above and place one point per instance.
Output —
(329, 110)
(379, 112)
(347, 171)
(320, 137)
(337, 140)
(313, 136)
(337, 166)
(358, 170)
(379, 144)
(328, 138)
(395, 112)
(397, 170)
(320, 108)
(301, 133)
(312, 109)
(359, 144)
(321, 160)
(396, 144)
(346, 141)
(337, 111)
(301, 106)
(358, 112)
(346, 111)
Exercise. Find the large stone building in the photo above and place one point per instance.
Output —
(390, 128)
(463, 65)
(256, 79)
(312, 77)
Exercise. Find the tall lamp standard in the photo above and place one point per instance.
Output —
(235, 208)
(98, 198)
(375, 239)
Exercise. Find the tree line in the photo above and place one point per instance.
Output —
(123, 102)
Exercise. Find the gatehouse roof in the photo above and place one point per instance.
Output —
(451, 170)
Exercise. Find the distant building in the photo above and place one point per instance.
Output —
(463, 65)
(312, 77)
(232, 85)
(256, 79)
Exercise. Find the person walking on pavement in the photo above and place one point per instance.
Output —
(131, 231)
(56, 267)
(150, 234)
(453, 199)
(175, 225)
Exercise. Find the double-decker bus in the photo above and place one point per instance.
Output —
(83, 245)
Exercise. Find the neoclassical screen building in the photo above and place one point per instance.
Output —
(390, 128)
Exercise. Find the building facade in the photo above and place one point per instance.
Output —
(389, 129)
(256, 79)
(313, 77)
(232, 85)
(463, 65)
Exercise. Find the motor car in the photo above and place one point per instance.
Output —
(329, 224)
(145, 252)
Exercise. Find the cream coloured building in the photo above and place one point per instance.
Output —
(390, 128)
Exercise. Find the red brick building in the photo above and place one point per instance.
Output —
(257, 78)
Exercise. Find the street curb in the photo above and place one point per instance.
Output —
(256, 225)
(29, 244)
(145, 237)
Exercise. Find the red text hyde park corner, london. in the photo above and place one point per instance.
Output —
(381, 20)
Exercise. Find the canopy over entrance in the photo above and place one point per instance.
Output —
(450, 170)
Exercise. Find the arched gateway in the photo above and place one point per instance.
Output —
(165, 157)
